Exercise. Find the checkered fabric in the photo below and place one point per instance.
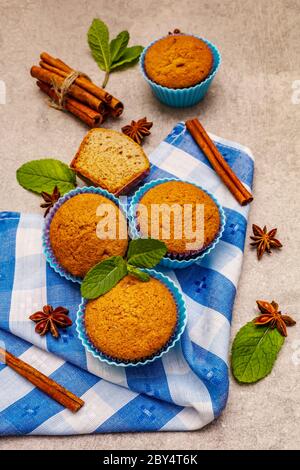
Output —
(185, 389)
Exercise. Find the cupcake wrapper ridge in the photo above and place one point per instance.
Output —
(179, 329)
(47, 249)
(183, 97)
(173, 261)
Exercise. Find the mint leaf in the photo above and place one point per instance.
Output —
(118, 45)
(145, 252)
(110, 55)
(141, 275)
(98, 39)
(130, 55)
(103, 277)
(254, 352)
(44, 175)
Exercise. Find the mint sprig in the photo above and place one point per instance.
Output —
(138, 273)
(142, 253)
(43, 175)
(254, 352)
(110, 55)
(145, 252)
(103, 277)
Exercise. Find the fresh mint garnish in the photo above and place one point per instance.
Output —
(118, 45)
(254, 352)
(136, 272)
(110, 55)
(43, 175)
(142, 253)
(146, 252)
(103, 277)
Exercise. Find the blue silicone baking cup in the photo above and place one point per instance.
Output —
(47, 249)
(167, 261)
(179, 329)
(183, 97)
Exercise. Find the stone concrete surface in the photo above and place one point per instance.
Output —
(251, 101)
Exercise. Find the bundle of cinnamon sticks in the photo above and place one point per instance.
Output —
(83, 98)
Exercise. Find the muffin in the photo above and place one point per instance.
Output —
(74, 237)
(168, 211)
(134, 320)
(178, 61)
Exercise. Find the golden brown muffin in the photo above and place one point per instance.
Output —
(172, 229)
(132, 321)
(178, 61)
(73, 235)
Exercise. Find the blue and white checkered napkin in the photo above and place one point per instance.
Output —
(185, 389)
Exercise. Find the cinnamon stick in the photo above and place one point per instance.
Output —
(41, 381)
(44, 65)
(89, 116)
(75, 91)
(60, 65)
(114, 112)
(113, 103)
(236, 187)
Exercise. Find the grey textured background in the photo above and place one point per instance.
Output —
(250, 102)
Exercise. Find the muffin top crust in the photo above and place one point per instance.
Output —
(178, 61)
(132, 321)
(74, 235)
(172, 212)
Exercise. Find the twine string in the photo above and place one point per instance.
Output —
(63, 91)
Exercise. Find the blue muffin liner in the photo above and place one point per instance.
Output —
(50, 257)
(183, 97)
(167, 261)
(179, 329)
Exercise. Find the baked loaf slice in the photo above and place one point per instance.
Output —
(111, 160)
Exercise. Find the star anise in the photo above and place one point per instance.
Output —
(264, 240)
(50, 199)
(50, 320)
(270, 315)
(137, 130)
(175, 31)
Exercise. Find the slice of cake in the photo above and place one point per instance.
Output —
(111, 160)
